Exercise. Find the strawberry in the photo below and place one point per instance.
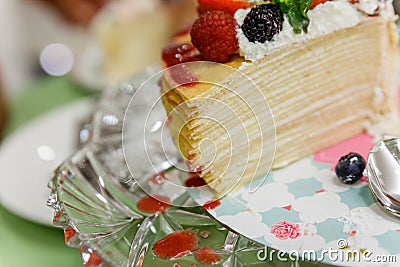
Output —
(228, 6)
(316, 2)
(214, 35)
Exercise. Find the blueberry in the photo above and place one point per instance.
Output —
(350, 167)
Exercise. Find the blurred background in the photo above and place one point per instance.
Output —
(111, 37)
(56, 56)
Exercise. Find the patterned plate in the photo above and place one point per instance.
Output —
(305, 210)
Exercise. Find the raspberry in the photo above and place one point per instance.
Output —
(262, 23)
(228, 6)
(214, 35)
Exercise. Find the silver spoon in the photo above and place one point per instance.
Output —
(383, 172)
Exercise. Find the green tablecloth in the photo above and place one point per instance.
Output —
(23, 243)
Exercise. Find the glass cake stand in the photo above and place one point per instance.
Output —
(94, 198)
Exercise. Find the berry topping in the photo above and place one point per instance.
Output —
(262, 23)
(214, 35)
(228, 6)
(316, 2)
(350, 168)
(180, 53)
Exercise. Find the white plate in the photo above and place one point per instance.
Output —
(29, 156)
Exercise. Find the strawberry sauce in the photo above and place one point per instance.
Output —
(176, 244)
(207, 255)
(194, 179)
(212, 204)
(194, 182)
(154, 204)
(180, 53)
(177, 54)
(69, 233)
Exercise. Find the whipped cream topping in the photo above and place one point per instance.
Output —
(375, 7)
(324, 18)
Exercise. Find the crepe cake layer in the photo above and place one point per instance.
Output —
(320, 92)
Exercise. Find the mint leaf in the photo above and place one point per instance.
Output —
(296, 12)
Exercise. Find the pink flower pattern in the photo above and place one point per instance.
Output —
(284, 230)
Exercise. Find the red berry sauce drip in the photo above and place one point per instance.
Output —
(180, 53)
(177, 54)
(176, 244)
(93, 261)
(154, 204)
(57, 216)
(204, 234)
(194, 180)
(212, 204)
(207, 255)
(69, 233)
(352, 233)
(89, 258)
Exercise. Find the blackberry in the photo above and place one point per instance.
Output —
(262, 23)
(350, 167)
